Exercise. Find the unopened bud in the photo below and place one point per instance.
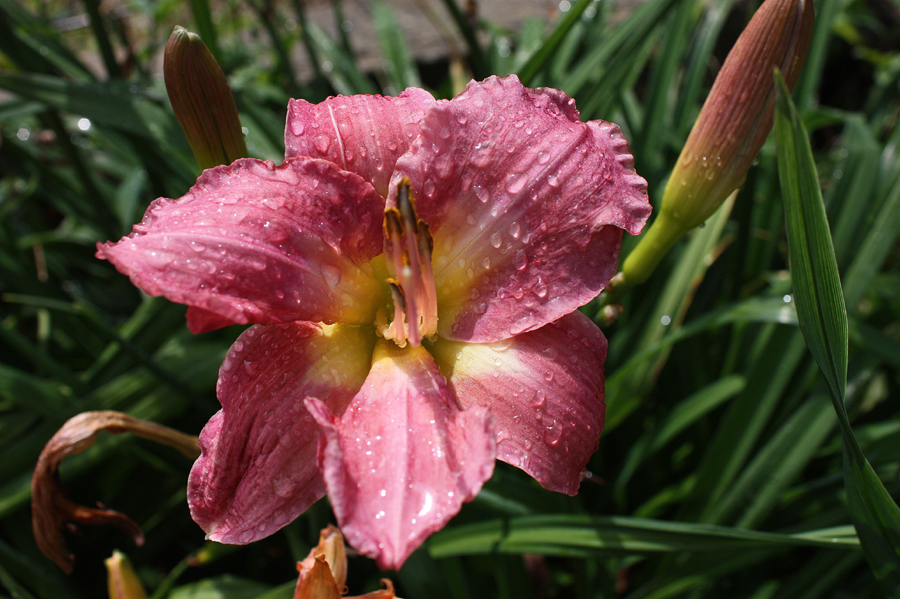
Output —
(323, 574)
(731, 128)
(122, 581)
(202, 100)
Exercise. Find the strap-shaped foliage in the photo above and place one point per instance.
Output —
(823, 320)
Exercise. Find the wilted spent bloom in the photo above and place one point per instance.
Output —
(202, 100)
(731, 128)
(121, 579)
(52, 510)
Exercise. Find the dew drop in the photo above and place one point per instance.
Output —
(553, 433)
(331, 274)
(482, 193)
(321, 143)
(496, 240)
(539, 398)
(520, 260)
(515, 184)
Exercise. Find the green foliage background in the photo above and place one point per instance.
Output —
(724, 470)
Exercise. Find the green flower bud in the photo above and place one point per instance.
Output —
(731, 128)
(202, 100)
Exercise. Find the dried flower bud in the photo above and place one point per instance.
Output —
(323, 574)
(202, 100)
(731, 128)
(123, 583)
(51, 508)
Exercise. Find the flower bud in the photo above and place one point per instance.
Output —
(202, 100)
(122, 581)
(731, 128)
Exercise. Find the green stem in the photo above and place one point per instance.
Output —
(656, 242)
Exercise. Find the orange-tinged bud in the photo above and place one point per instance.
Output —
(731, 128)
(202, 100)
(122, 581)
(323, 574)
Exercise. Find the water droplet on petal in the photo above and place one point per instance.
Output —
(553, 433)
(520, 260)
(482, 193)
(515, 183)
(321, 143)
(331, 274)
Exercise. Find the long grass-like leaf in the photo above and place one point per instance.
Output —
(585, 535)
(823, 320)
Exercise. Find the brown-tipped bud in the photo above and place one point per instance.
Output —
(52, 510)
(123, 583)
(202, 100)
(731, 128)
(323, 573)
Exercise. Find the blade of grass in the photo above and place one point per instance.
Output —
(548, 48)
(477, 59)
(576, 535)
(823, 320)
(401, 70)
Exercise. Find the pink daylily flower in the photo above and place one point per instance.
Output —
(413, 272)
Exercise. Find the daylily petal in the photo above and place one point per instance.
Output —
(201, 321)
(403, 458)
(258, 468)
(525, 204)
(545, 390)
(362, 134)
(252, 242)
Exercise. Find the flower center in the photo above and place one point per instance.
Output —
(408, 249)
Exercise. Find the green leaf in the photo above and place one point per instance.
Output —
(548, 48)
(224, 587)
(823, 320)
(583, 536)
(814, 273)
(401, 69)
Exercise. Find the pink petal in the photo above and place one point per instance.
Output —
(403, 458)
(545, 389)
(362, 134)
(252, 242)
(258, 468)
(526, 205)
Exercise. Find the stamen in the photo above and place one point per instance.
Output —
(409, 246)
(426, 247)
(397, 330)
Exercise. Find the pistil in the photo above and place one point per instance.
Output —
(408, 248)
